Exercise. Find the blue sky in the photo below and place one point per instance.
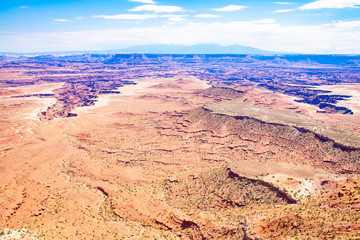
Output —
(303, 26)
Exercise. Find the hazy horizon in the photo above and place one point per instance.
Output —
(306, 27)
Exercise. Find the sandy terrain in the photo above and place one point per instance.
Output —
(116, 170)
(299, 181)
(35, 89)
(153, 92)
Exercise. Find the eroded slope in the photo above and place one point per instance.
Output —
(153, 163)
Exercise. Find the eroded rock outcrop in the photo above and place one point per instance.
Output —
(252, 138)
(223, 188)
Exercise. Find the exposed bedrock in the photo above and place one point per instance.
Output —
(251, 138)
(220, 93)
(81, 94)
(328, 103)
(223, 188)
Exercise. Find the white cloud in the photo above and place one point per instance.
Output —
(61, 20)
(24, 7)
(346, 25)
(267, 34)
(264, 21)
(331, 4)
(207, 16)
(283, 11)
(144, 1)
(230, 8)
(172, 15)
(283, 3)
(127, 16)
(157, 8)
(177, 19)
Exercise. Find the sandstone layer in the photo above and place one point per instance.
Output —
(125, 151)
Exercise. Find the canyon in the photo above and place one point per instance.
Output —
(147, 146)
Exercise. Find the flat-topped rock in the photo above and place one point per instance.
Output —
(238, 108)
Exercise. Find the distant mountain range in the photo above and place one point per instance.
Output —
(196, 49)
(166, 49)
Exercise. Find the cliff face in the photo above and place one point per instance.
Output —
(223, 188)
(220, 93)
(249, 138)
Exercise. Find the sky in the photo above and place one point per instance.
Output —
(298, 26)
